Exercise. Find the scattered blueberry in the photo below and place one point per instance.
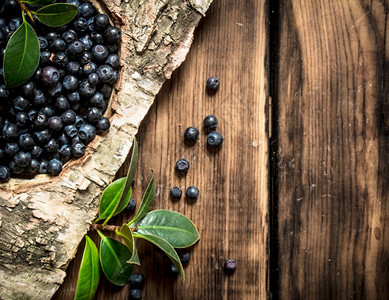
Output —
(135, 294)
(137, 281)
(184, 257)
(130, 208)
(171, 270)
(191, 135)
(214, 139)
(175, 192)
(182, 166)
(192, 193)
(210, 123)
(230, 266)
(213, 84)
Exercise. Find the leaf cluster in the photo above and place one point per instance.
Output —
(21, 57)
(165, 229)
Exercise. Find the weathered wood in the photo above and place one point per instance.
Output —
(43, 220)
(232, 210)
(333, 177)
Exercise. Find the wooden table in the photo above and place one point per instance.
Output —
(298, 194)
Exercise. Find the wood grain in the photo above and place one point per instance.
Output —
(332, 150)
(232, 210)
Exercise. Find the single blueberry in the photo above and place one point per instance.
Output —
(230, 266)
(191, 135)
(214, 139)
(192, 193)
(213, 84)
(175, 192)
(137, 281)
(182, 166)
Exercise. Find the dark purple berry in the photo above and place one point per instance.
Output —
(61, 103)
(42, 136)
(86, 10)
(98, 100)
(28, 89)
(184, 258)
(45, 57)
(137, 281)
(65, 152)
(93, 79)
(214, 139)
(40, 120)
(58, 45)
(192, 193)
(22, 159)
(69, 36)
(93, 115)
(100, 52)
(171, 270)
(80, 25)
(210, 123)
(68, 117)
(26, 141)
(39, 98)
(43, 43)
(54, 167)
(175, 192)
(86, 89)
(101, 22)
(43, 165)
(112, 34)
(213, 84)
(11, 149)
(130, 208)
(71, 131)
(78, 149)
(5, 174)
(113, 60)
(191, 135)
(135, 294)
(89, 68)
(36, 151)
(230, 266)
(102, 125)
(76, 48)
(10, 131)
(51, 146)
(70, 83)
(87, 132)
(73, 68)
(105, 73)
(50, 76)
(182, 166)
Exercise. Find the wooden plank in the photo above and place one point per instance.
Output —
(332, 164)
(232, 210)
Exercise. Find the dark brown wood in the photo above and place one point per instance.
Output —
(333, 179)
(232, 210)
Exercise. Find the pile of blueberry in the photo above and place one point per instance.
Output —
(137, 282)
(51, 118)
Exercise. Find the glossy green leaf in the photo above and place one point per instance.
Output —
(110, 198)
(57, 14)
(113, 259)
(89, 275)
(172, 226)
(126, 233)
(21, 57)
(147, 201)
(125, 194)
(39, 2)
(165, 247)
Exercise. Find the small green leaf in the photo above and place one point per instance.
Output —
(21, 57)
(147, 201)
(113, 259)
(39, 2)
(124, 198)
(126, 233)
(110, 199)
(171, 226)
(57, 14)
(89, 275)
(165, 247)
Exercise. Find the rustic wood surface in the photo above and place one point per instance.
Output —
(332, 139)
(232, 210)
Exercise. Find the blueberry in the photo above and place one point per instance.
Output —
(87, 132)
(86, 40)
(98, 100)
(60, 59)
(93, 115)
(102, 125)
(73, 68)
(101, 22)
(113, 60)
(230, 266)
(106, 90)
(14, 168)
(11, 149)
(22, 159)
(10, 131)
(80, 25)
(175, 192)
(112, 34)
(214, 139)
(39, 98)
(43, 43)
(105, 73)
(70, 83)
(171, 270)
(51, 146)
(36, 151)
(71, 131)
(112, 48)
(135, 294)
(78, 149)
(182, 166)
(15, 23)
(50, 76)
(184, 258)
(42, 136)
(75, 48)
(130, 208)
(28, 89)
(86, 89)
(65, 152)
(47, 110)
(79, 121)
(32, 115)
(20, 103)
(58, 45)
(41, 120)
(137, 281)
(62, 139)
(74, 97)
(43, 165)
(51, 36)
(97, 38)
(86, 57)
(33, 168)
(192, 193)
(89, 68)
(213, 84)
(68, 117)
(26, 141)
(5, 174)
(54, 167)
(45, 57)
(69, 36)
(4, 93)
(191, 135)
(21, 118)
(93, 78)
(100, 52)
(86, 10)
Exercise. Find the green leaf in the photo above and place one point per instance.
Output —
(147, 201)
(39, 2)
(110, 199)
(113, 259)
(126, 233)
(21, 57)
(172, 226)
(57, 14)
(165, 247)
(89, 275)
